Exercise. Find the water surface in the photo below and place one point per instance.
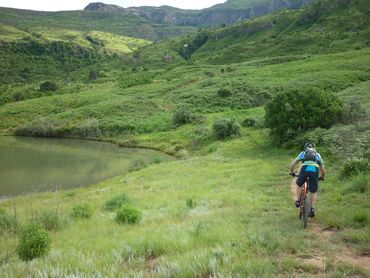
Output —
(40, 164)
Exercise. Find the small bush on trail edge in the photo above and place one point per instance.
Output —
(117, 202)
(6, 221)
(34, 242)
(128, 215)
(224, 128)
(190, 203)
(355, 167)
(291, 113)
(182, 117)
(81, 211)
(48, 86)
(50, 219)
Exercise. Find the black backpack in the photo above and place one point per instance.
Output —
(310, 155)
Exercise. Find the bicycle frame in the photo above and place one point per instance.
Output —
(304, 203)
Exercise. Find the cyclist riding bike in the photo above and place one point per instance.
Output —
(312, 165)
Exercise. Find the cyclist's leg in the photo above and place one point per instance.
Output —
(313, 187)
(313, 200)
(300, 181)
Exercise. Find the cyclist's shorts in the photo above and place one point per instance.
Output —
(313, 173)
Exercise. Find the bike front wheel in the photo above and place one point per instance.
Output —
(305, 211)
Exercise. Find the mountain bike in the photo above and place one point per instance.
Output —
(304, 202)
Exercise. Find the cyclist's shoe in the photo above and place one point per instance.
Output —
(312, 213)
(297, 204)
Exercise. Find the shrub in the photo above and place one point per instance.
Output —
(81, 211)
(48, 86)
(50, 220)
(292, 112)
(224, 128)
(200, 137)
(224, 92)
(355, 167)
(18, 96)
(128, 215)
(190, 203)
(182, 116)
(249, 122)
(117, 202)
(34, 242)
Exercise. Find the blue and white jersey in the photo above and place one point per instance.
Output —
(318, 160)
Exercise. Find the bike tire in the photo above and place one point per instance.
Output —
(305, 212)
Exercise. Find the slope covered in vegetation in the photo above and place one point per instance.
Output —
(225, 209)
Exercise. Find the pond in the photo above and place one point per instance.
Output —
(30, 165)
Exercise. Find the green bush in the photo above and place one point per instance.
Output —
(34, 242)
(293, 112)
(190, 203)
(117, 202)
(225, 128)
(249, 122)
(182, 117)
(50, 219)
(48, 86)
(128, 215)
(355, 167)
(81, 211)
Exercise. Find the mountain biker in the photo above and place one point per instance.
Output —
(312, 164)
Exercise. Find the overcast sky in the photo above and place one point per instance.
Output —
(58, 5)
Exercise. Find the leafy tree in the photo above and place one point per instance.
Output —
(182, 116)
(224, 128)
(291, 112)
(48, 86)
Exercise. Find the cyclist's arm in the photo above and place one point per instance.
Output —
(293, 164)
(322, 170)
(321, 165)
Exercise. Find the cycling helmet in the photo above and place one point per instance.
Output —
(309, 145)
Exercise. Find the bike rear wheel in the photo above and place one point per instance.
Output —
(305, 211)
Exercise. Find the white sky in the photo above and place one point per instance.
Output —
(58, 5)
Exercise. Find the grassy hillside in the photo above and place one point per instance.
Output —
(225, 209)
(55, 53)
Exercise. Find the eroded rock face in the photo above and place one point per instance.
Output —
(220, 14)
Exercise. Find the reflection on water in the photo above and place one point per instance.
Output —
(38, 164)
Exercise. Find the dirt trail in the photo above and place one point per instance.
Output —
(344, 253)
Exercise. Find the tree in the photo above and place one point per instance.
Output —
(295, 111)
(48, 86)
